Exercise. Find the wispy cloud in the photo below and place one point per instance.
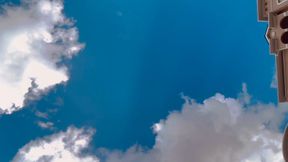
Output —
(35, 39)
(274, 83)
(46, 125)
(42, 115)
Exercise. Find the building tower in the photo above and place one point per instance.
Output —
(275, 12)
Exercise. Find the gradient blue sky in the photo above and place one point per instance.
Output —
(139, 57)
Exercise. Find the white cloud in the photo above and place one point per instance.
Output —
(61, 147)
(46, 125)
(218, 130)
(42, 115)
(274, 83)
(35, 37)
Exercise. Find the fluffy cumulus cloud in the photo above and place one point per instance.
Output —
(35, 39)
(61, 147)
(218, 130)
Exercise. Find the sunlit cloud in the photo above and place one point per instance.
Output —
(61, 147)
(35, 38)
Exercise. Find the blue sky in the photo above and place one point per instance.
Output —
(139, 56)
(137, 64)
